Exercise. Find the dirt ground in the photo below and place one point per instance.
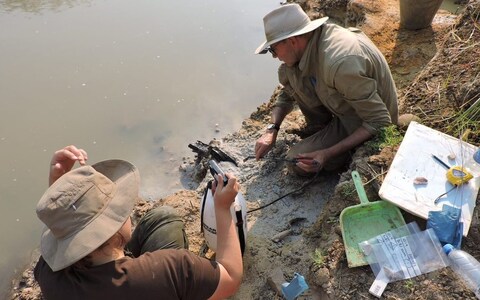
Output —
(437, 74)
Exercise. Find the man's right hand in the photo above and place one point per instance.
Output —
(265, 143)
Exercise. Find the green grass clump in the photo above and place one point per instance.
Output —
(388, 136)
(409, 285)
(318, 258)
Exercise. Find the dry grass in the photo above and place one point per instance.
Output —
(446, 95)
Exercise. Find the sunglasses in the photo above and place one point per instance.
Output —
(271, 48)
(268, 49)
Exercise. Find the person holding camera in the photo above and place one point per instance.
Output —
(338, 78)
(87, 240)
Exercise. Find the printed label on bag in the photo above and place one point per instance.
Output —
(401, 262)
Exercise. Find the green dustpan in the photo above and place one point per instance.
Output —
(364, 221)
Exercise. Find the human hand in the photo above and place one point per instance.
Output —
(63, 161)
(224, 196)
(265, 143)
(311, 162)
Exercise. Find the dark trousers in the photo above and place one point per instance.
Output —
(331, 134)
(160, 228)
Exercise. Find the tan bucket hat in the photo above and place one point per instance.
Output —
(84, 208)
(284, 22)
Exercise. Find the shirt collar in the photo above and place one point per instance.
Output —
(303, 64)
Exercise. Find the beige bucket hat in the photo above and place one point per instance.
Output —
(284, 22)
(84, 208)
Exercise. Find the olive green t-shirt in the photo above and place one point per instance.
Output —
(163, 274)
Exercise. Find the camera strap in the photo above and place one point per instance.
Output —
(209, 187)
(239, 223)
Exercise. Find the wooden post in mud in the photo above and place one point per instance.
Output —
(418, 14)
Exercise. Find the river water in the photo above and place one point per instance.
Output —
(137, 80)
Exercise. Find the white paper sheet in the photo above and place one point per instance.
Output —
(414, 159)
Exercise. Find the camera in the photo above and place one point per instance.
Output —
(215, 169)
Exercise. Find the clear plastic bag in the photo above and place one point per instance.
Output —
(403, 253)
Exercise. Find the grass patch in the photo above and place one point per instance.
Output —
(332, 220)
(388, 136)
(347, 190)
(466, 123)
(318, 258)
(409, 285)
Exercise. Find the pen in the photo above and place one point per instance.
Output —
(440, 161)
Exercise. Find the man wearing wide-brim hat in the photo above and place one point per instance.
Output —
(338, 78)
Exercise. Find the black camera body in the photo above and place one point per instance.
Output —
(215, 169)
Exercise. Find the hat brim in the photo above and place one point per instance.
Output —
(262, 49)
(61, 253)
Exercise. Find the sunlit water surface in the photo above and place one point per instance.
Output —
(137, 80)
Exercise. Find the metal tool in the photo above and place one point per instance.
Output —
(288, 160)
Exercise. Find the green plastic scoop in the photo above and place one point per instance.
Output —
(364, 221)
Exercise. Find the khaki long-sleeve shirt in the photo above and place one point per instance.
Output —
(341, 73)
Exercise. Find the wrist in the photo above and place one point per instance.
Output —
(222, 211)
(328, 153)
(273, 127)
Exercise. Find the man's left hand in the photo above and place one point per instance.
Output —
(312, 162)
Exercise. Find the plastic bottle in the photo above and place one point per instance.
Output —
(473, 163)
(466, 266)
